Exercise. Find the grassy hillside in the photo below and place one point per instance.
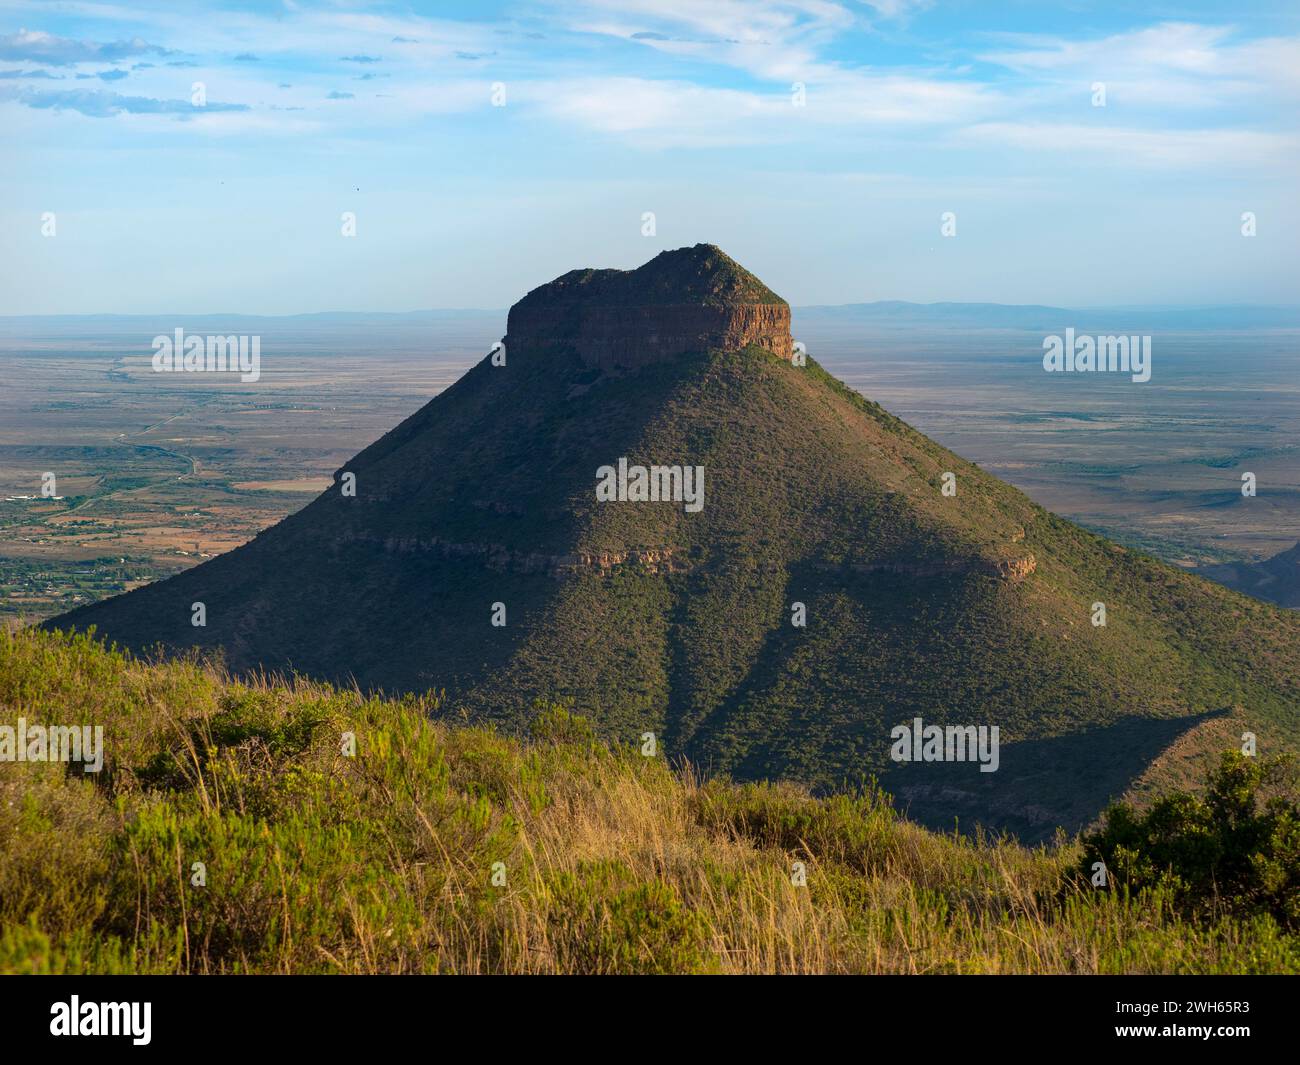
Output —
(609, 861)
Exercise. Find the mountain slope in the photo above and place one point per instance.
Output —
(1275, 579)
(968, 609)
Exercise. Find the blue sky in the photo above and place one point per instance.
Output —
(614, 108)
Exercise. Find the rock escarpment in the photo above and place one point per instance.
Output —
(691, 299)
(1007, 569)
(501, 558)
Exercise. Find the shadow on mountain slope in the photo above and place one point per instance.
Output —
(1040, 783)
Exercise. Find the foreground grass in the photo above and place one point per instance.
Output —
(453, 849)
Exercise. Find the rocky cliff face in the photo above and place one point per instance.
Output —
(1007, 569)
(692, 299)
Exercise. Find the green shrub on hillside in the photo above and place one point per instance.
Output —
(604, 919)
(1230, 849)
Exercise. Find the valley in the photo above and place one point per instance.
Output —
(161, 471)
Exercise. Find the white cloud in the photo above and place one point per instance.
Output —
(754, 21)
(720, 72)
(1171, 45)
(659, 113)
(1116, 147)
(778, 42)
(36, 46)
(896, 9)
(1171, 64)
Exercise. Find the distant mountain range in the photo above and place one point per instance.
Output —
(842, 576)
(992, 315)
(1051, 319)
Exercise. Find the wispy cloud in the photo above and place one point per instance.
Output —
(34, 46)
(100, 103)
(10, 74)
(660, 113)
(1172, 64)
(773, 23)
(720, 72)
(1109, 147)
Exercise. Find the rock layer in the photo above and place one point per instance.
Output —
(499, 557)
(689, 300)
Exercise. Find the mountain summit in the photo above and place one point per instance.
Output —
(691, 299)
(843, 577)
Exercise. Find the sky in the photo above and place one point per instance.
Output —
(202, 156)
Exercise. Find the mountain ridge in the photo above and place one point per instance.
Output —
(1194, 316)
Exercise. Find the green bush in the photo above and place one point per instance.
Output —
(1232, 849)
(603, 919)
(556, 723)
(855, 829)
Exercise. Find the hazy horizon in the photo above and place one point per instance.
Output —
(1140, 308)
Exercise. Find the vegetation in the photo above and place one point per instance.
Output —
(1232, 850)
(30, 587)
(442, 848)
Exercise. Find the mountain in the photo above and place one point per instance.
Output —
(966, 609)
(1275, 579)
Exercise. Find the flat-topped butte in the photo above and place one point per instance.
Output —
(688, 300)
